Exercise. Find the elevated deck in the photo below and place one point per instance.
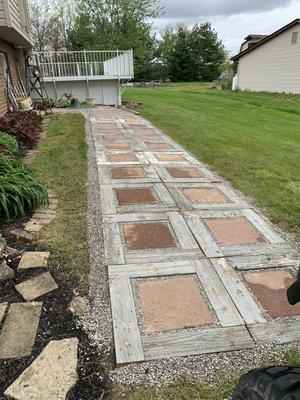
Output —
(85, 73)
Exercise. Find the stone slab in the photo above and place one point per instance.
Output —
(3, 307)
(269, 287)
(51, 375)
(6, 272)
(33, 259)
(141, 195)
(174, 303)
(19, 330)
(184, 172)
(36, 287)
(127, 173)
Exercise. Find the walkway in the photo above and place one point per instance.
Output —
(193, 268)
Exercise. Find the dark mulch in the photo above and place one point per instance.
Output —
(56, 323)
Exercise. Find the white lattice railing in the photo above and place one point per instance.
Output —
(60, 64)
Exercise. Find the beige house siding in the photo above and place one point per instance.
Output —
(14, 21)
(273, 66)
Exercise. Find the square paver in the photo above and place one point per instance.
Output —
(122, 157)
(118, 146)
(160, 146)
(164, 311)
(113, 138)
(127, 173)
(187, 172)
(269, 287)
(170, 158)
(132, 237)
(150, 235)
(205, 195)
(233, 231)
(142, 195)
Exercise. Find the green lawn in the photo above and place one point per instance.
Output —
(251, 139)
(62, 165)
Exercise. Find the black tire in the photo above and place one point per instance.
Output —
(271, 383)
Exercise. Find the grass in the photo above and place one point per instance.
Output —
(250, 139)
(62, 165)
(221, 388)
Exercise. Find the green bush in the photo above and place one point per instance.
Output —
(8, 144)
(63, 103)
(21, 192)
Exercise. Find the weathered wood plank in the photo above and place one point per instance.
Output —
(127, 338)
(263, 261)
(239, 293)
(202, 341)
(163, 255)
(182, 232)
(112, 242)
(218, 296)
(276, 331)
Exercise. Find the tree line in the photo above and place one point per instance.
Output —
(177, 54)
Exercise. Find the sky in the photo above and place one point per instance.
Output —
(232, 19)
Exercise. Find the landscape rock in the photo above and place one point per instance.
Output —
(51, 375)
(36, 287)
(33, 259)
(21, 234)
(19, 330)
(79, 306)
(6, 272)
(3, 307)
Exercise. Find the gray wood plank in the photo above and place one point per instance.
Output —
(182, 232)
(127, 338)
(263, 261)
(238, 291)
(112, 242)
(218, 296)
(196, 342)
(163, 255)
(276, 331)
(204, 238)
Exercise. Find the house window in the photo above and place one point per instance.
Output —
(294, 37)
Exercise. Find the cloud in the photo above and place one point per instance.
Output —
(192, 8)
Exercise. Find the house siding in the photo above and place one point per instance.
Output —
(273, 66)
(8, 51)
(14, 15)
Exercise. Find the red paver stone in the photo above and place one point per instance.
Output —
(170, 157)
(205, 195)
(174, 303)
(110, 131)
(269, 287)
(122, 157)
(188, 172)
(151, 138)
(108, 126)
(117, 146)
(160, 146)
(112, 138)
(145, 132)
(127, 173)
(135, 196)
(233, 231)
(150, 235)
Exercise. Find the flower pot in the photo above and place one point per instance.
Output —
(24, 103)
(90, 101)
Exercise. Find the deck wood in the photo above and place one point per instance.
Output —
(276, 331)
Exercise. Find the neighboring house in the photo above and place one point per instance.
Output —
(14, 44)
(270, 63)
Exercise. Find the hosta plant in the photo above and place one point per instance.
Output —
(25, 126)
(21, 192)
(8, 143)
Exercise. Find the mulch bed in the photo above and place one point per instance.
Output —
(56, 323)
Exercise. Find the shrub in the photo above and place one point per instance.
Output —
(9, 144)
(25, 126)
(21, 192)
(63, 103)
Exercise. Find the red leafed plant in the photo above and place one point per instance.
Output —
(25, 126)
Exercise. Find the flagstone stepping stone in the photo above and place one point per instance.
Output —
(36, 287)
(79, 305)
(51, 375)
(33, 259)
(6, 272)
(3, 307)
(19, 330)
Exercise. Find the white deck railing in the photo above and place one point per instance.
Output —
(85, 64)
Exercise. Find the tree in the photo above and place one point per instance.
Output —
(181, 62)
(208, 52)
(51, 23)
(117, 24)
(165, 49)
